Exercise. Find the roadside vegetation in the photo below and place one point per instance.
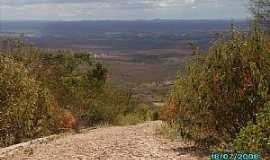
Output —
(50, 91)
(221, 100)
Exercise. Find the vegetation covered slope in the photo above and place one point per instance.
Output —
(221, 97)
(221, 100)
(48, 91)
(26, 108)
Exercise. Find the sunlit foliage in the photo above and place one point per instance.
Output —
(26, 108)
(221, 92)
(46, 91)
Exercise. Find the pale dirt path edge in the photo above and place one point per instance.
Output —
(138, 142)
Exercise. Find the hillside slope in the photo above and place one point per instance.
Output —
(114, 143)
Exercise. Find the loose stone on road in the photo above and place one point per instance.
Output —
(138, 142)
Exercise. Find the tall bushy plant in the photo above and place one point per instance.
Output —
(25, 108)
(65, 74)
(255, 137)
(45, 91)
(220, 92)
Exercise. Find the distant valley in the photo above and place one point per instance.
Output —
(143, 54)
(119, 35)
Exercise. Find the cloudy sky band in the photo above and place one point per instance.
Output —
(122, 9)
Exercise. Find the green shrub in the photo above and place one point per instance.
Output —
(97, 114)
(170, 130)
(255, 137)
(144, 113)
(129, 119)
(113, 104)
(138, 114)
(25, 107)
(45, 91)
(74, 79)
(221, 91)
(155, 115)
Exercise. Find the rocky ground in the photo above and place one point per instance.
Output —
(138, 142)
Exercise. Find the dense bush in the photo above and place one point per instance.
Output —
(48, 91)
(26, 109)
(116, 106)
(74, 79)
(139, 113)
(222, 91)
(255, 137)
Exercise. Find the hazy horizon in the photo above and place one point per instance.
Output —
(124, 10)
(132, 20)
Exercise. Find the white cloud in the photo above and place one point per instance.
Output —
(119, 9)
(190, 1)
(113, 2)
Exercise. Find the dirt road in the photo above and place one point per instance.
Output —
(138, 142)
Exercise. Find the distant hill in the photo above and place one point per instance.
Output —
(118, 35)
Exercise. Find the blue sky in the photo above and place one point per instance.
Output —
(122, 9)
